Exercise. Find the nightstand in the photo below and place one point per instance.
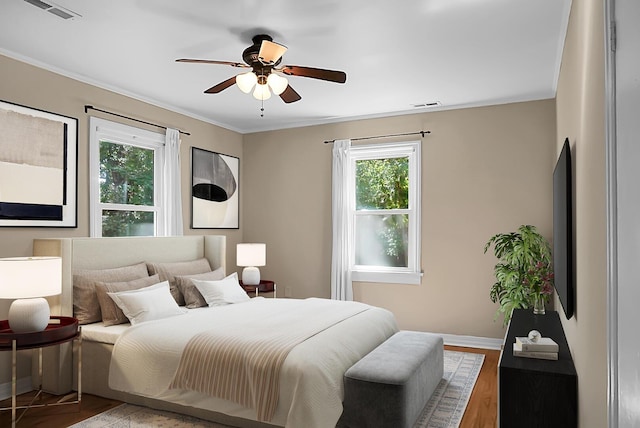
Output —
(59, 330)
(265, 286)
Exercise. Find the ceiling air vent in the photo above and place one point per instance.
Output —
(53, 8)
(40, 4)
(427, 105)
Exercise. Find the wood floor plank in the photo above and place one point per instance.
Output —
(57, 416)
(481, 411)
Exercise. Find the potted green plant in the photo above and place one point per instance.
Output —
(524, 275)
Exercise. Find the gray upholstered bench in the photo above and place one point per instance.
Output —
(390, 386)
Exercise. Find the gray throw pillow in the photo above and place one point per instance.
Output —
(168, 272)
(111, 313)
(192, 297)
(86, 307)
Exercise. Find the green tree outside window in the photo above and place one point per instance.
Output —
(382, 238)
(126, 177)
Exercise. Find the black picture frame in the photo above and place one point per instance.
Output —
(215, 190)
(38, 168)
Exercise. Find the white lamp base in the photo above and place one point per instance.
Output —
(251, 275)
(28, 315)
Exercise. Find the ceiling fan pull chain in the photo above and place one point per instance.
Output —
(262, 107)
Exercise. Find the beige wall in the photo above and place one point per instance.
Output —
(33, 87)
(580, 105)
(484, 171)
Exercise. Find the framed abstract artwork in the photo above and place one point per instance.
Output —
(38, 168)
(214, 190)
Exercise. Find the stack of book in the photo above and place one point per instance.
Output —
(544, 348)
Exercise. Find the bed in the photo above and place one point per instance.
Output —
(309, 382)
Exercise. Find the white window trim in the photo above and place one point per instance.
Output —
(411, 274)
(123, 134)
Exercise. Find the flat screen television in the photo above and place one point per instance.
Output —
(563, 231)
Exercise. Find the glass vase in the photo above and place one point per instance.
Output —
(538, 304)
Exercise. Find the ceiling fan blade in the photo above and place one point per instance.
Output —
(270, 52)
(290, 95)
(314, 73)
(211, 61)
(221, 86)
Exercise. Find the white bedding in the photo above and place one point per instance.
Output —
(146, 357)
(98, 332)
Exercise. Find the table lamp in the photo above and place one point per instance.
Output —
(251, 256)
(29, 279)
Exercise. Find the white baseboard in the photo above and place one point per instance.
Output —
(23, 385)
(472, 341)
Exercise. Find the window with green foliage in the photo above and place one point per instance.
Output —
(382, 220)
(386, 212)
(125, 180)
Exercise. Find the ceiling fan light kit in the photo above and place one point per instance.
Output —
(263, 57)
(246, 82)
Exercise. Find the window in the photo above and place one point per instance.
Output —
(126, 180)
(385, 212)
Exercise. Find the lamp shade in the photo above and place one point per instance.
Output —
(270, 52)
(261, 92)
(277, 83)
(246, 81)
(29, 277)
(251, 254)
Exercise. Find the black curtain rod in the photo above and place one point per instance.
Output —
(385, 136)
(87, 108)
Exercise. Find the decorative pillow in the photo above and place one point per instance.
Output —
(111, 313)
(147, 304)
(192, 297)
(86, 307)
(168, 271)
(223, 292)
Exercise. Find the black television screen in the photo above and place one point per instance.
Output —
(563, 230)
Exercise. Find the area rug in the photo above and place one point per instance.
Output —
(446, 406)
(444, 410)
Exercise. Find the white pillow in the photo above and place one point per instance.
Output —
(146, 304)
(222, 292)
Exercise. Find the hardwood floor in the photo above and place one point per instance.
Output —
(481, 411)
(57, 416)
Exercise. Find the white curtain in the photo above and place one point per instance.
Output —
(172, 196)
(341, 288)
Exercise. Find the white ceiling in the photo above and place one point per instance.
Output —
(396, 53)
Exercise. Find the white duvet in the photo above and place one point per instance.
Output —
(145, 359)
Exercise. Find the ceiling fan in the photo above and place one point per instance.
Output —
(264, 57)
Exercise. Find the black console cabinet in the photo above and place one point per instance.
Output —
(532, 392)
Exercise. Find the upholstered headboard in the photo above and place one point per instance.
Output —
(102, 253)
